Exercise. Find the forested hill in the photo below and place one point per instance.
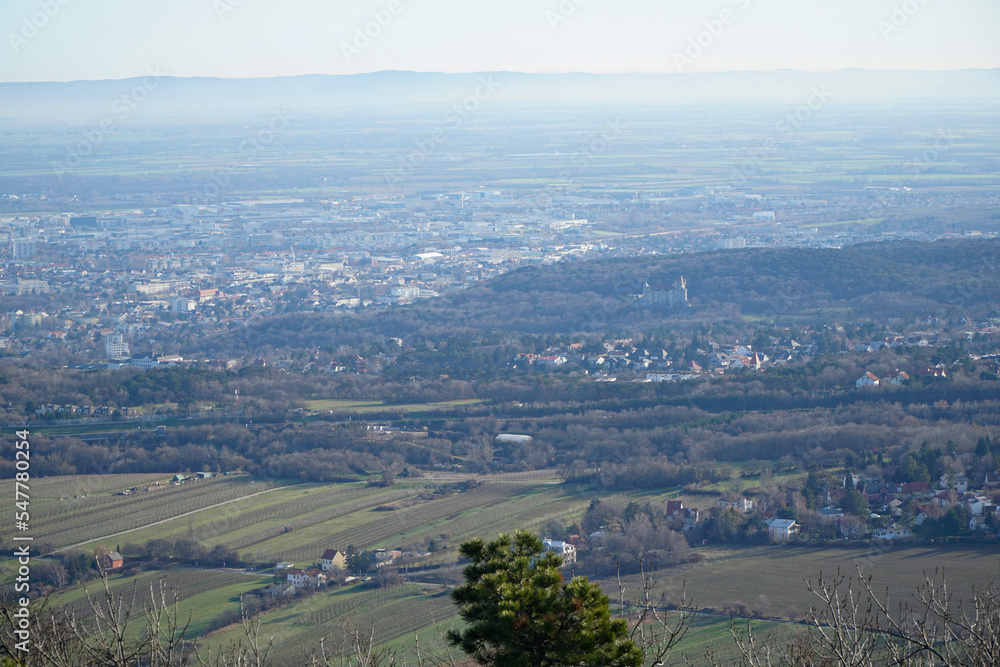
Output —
(948, 279)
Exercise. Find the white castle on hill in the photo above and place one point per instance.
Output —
(666, 297)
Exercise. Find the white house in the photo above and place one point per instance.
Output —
(958, 481)
(311, 578)
(742, 504)
(892, 532)
(781, 529)
(976, 504)
(899, 378)
(867, 380)
(564, 549)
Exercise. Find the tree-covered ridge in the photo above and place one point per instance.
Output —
(951, 274)
(904, 279)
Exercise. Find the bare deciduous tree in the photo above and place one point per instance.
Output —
(852, 624)
(654, 628)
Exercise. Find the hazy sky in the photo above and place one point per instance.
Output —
(60, 40)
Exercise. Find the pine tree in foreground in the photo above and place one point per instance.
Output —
(520, 612)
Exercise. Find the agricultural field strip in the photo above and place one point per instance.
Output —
(396, 522)
(185, 583)
(405, 616)
(73, 511)
(162, 521)
(336, 609)
(557, 509)
(53, 488)
(115, 508)
(279, 621)
(506, 511)
(518, 513)
(781, 572)
(713, 634)
(314, 517)
(51, 510)
(239, 519)
(129, 516)
(394, 613)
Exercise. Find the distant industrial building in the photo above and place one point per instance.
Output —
(115, 347)
(84, 222)
(23, 249)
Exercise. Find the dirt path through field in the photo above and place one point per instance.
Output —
(179, 516)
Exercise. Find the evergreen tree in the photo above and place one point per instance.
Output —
(521, 613)
(854, 503)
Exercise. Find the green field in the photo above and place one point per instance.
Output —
(780, 573)
(714, 634)
(84, 509)
(266, 521)
(202, 595)
(297, 523)
(397, 613)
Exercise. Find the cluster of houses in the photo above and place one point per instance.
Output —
(626, 355)
(926, 501)
(659, 366)
(896, 378)
(316, 576)
(82, 410)
(953, 489)
(176, 480)
(333, 561)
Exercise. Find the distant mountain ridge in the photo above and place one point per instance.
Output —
(159, 94)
